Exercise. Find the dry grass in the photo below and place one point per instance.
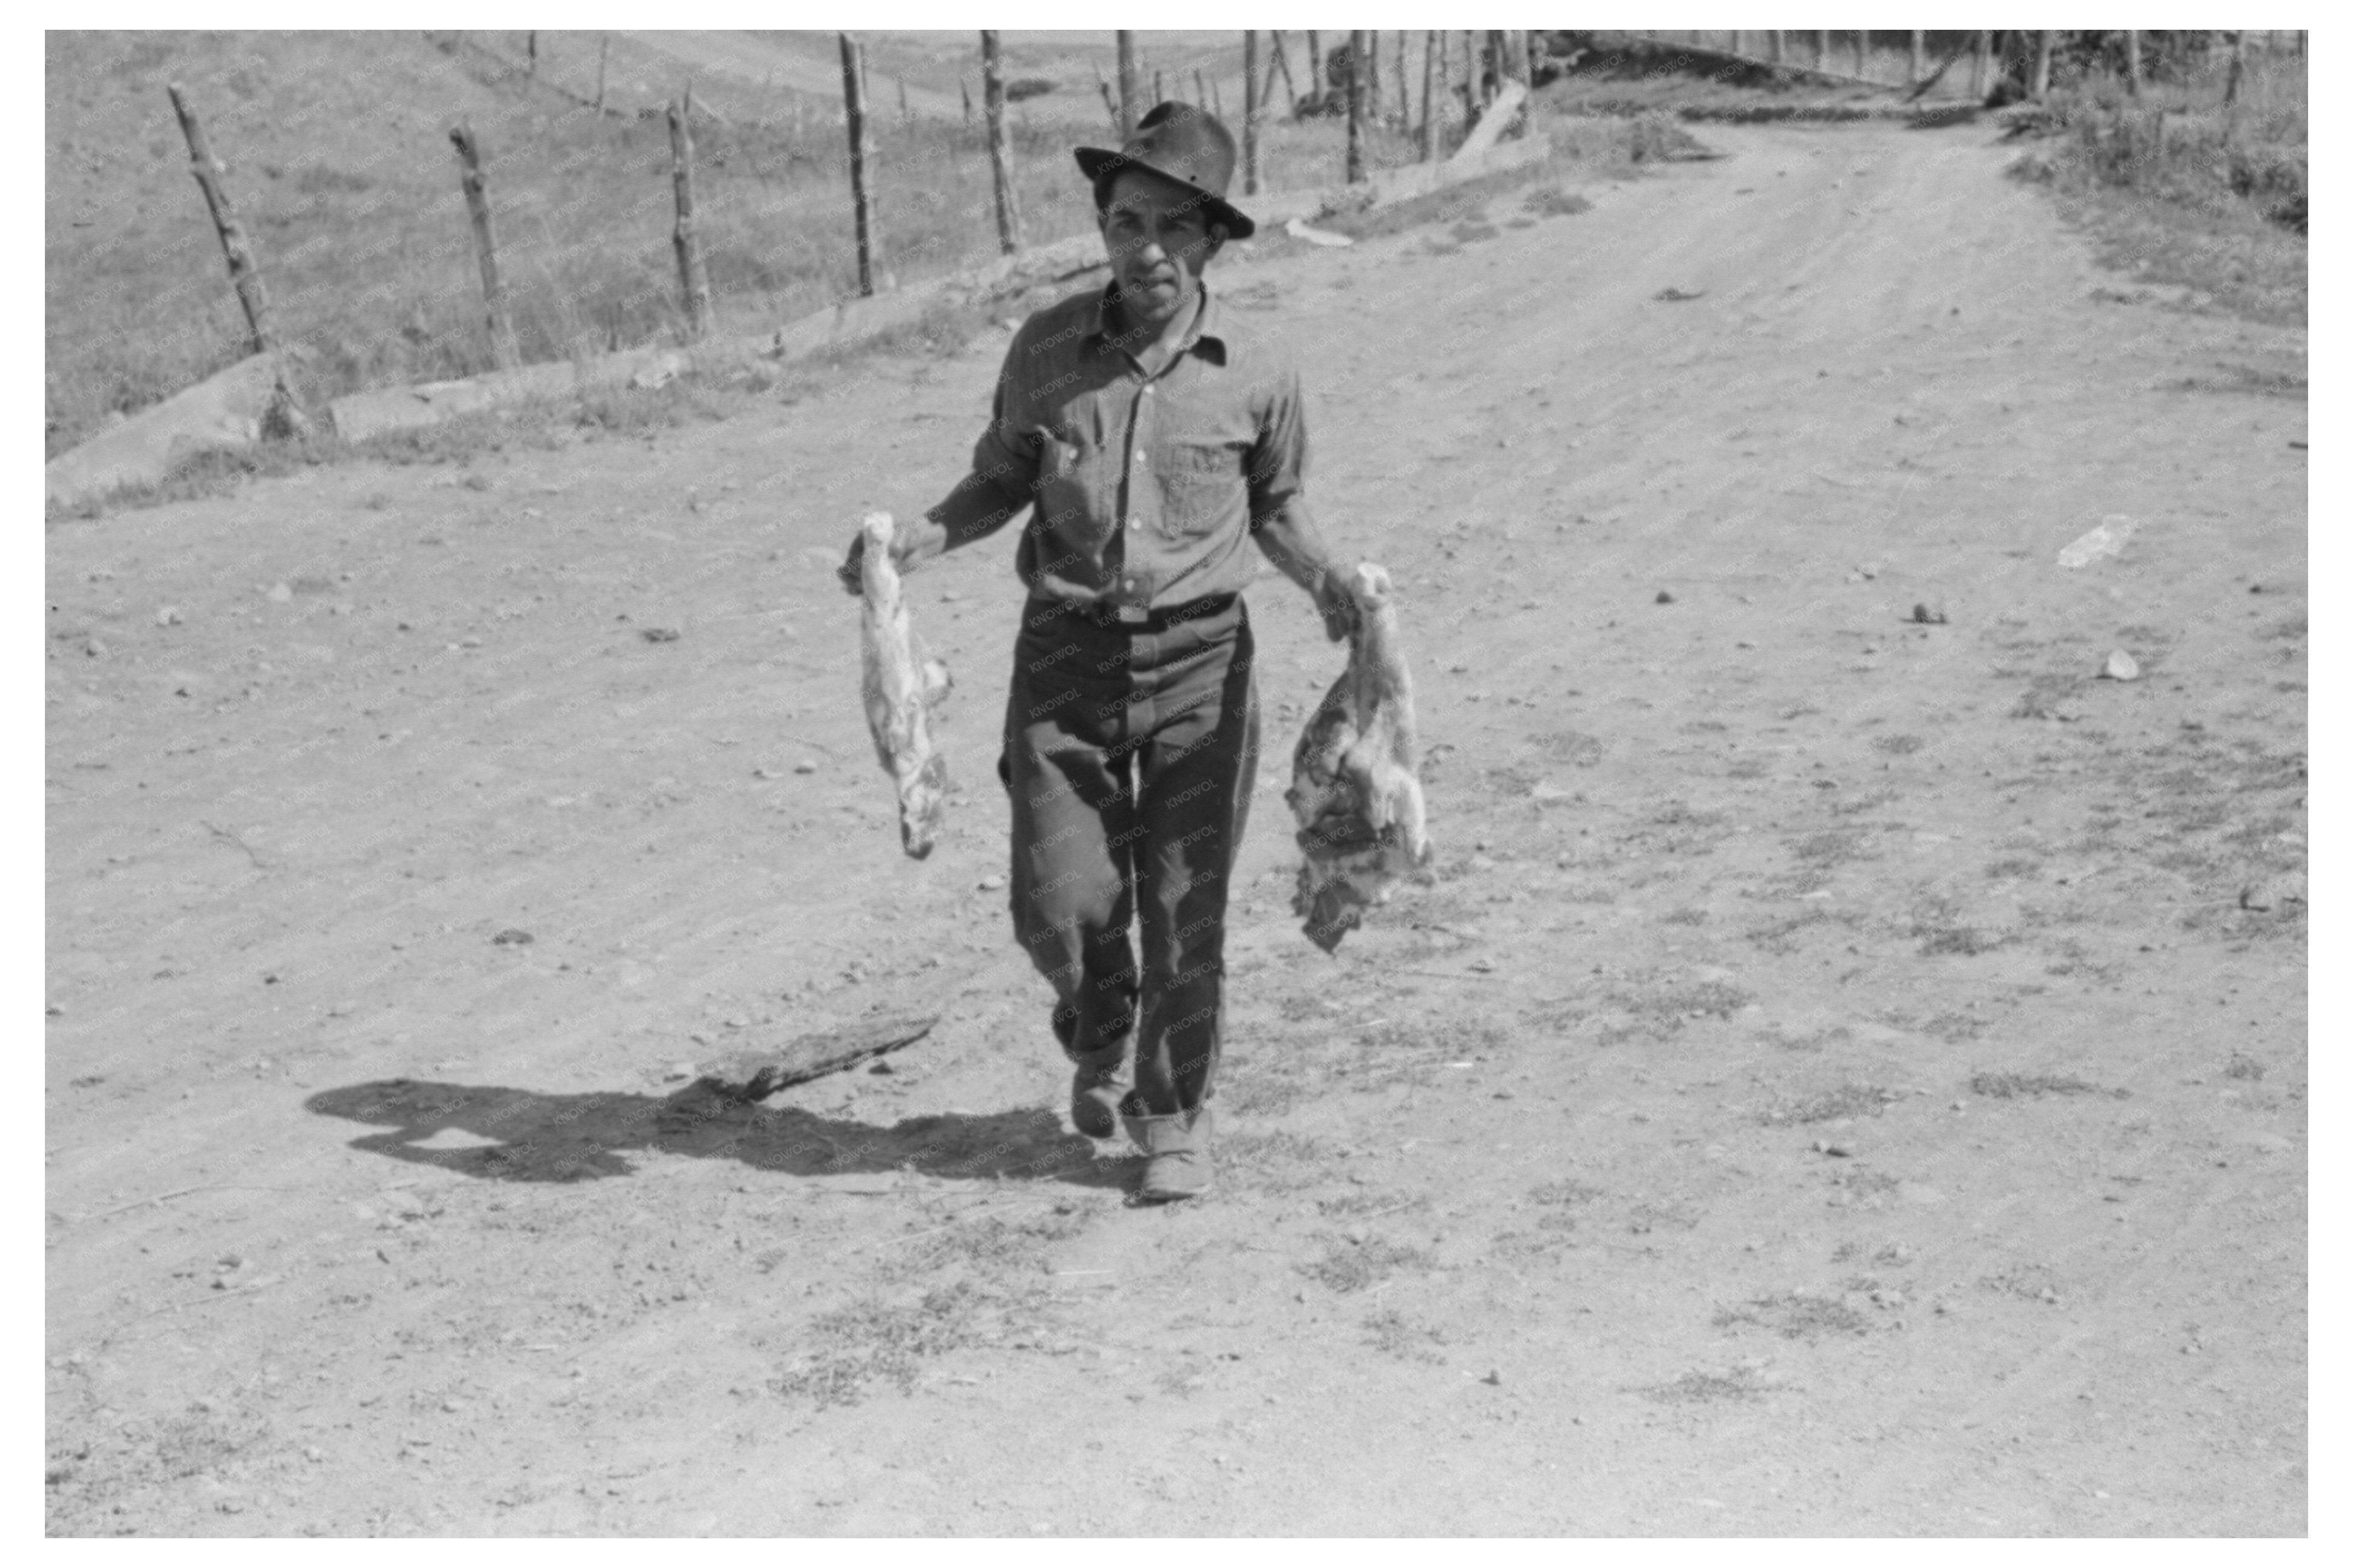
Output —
(1349, 1266)
(858, 1344)
(2032, 1086)
(1737, 1383)
(339, 162)
(1847, 1100)
(1795, 1315)
(2184, 191)
(1389, 1332)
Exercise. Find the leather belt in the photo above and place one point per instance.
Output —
(1137, 618)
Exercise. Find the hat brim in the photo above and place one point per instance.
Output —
(1097, 161)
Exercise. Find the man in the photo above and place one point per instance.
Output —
(1156, 436)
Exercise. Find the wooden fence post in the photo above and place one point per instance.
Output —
(1251, 103)
(853, 106)
(531, 54)
(1356, 108)
(965, 87)
(2132, 61)
(1863, 54)
(1159, 86)
(244, 272)
(1283, 63)
(693, 281)
(1919, 61)
(1980, 57)
(1777, 45)
(1432, 42)
(604, 49)
(2237, 69)
(1527, 61)
(1371, 69)
(2042, 62)
(1217, 102)
(1821, 51)
(486, 251)
(1130, 90)
(992, 108)
(1200, 89)
(1110, 108)
(1315, 83)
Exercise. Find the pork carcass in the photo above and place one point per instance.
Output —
(1354, 785)
(904, 690)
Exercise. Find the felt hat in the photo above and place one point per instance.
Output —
(1179, 142)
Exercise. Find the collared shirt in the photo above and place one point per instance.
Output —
(1147, 487)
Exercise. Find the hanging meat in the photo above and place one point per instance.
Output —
(1354, 785)
(904, 690)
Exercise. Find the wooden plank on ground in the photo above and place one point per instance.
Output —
(757, 1074)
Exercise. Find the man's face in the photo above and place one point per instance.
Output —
(1159, 238)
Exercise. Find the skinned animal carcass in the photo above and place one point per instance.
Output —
(1355, 788)
(904, 690)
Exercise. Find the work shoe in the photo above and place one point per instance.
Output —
(1175, 1155)
(1096, 1089)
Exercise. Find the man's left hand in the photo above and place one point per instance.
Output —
(1337, 604)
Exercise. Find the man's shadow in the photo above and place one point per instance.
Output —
(579, 1137)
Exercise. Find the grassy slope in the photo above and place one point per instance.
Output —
(338, 157)
(2192, 213)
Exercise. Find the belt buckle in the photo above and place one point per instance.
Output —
(1133, 614)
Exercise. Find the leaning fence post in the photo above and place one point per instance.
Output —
(1109, 107)
(2132, 61)
(992, 106)
(853, 105)
(1432, 41)
(1250, 112)
(1130, 90)
(693, 282)
(244, 272)
(1356, 108)
(1283, 63)
(486, 249)
(2042, 62)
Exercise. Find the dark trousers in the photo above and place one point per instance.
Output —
(1129, 753)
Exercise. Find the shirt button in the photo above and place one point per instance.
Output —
(1147, 392)
(1135, 523)
(1129, 585)
(1139, 457)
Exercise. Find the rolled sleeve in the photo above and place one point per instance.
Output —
(1003, 478)
(1276, 467)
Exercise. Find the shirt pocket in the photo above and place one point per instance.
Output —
(1200, 484)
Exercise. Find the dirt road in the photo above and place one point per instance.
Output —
(1849, 1076)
